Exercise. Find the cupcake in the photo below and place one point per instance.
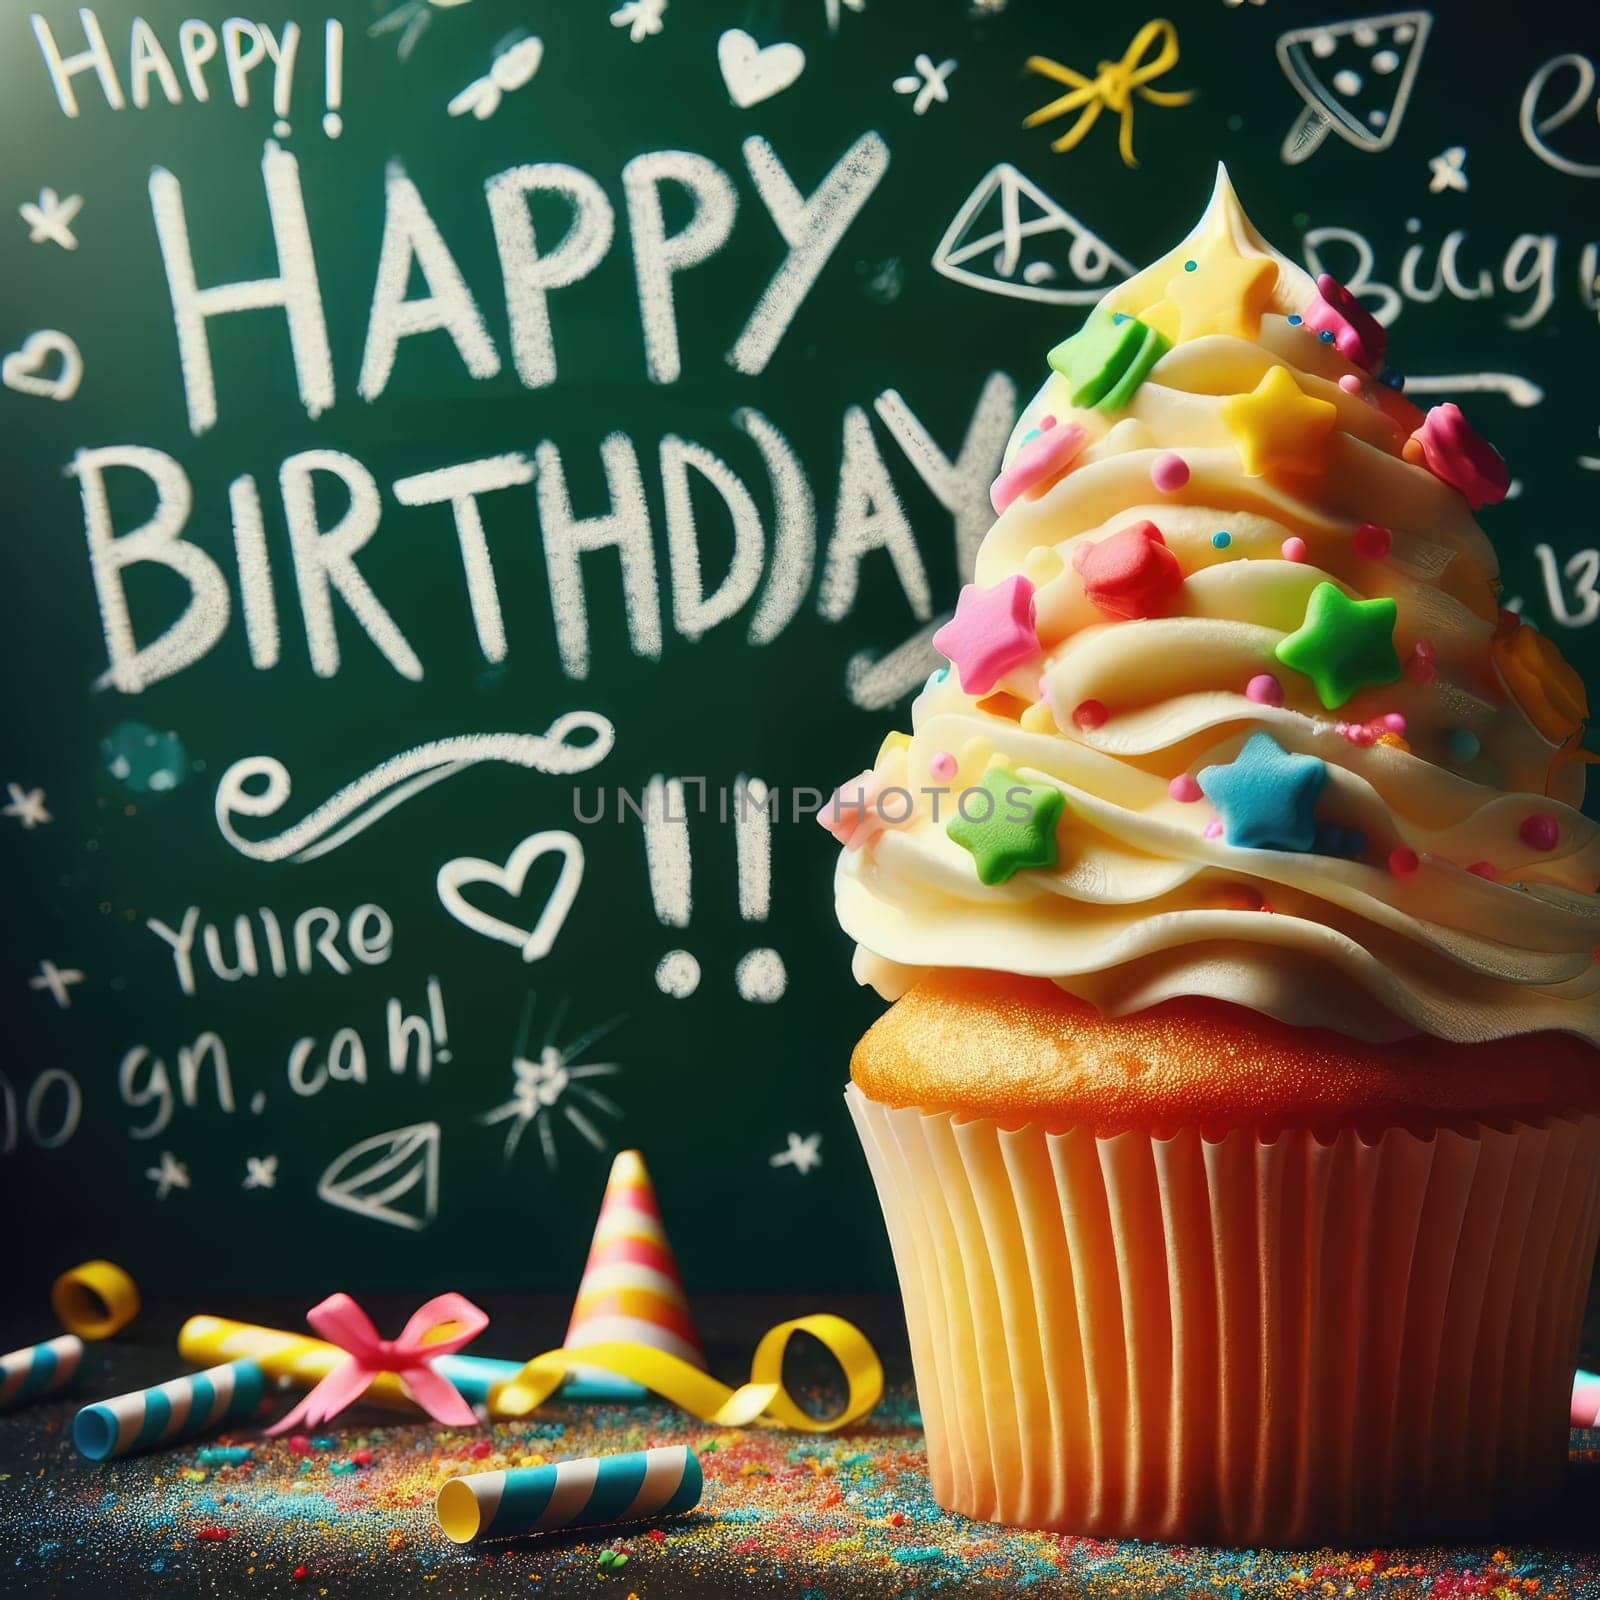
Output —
(1235, 1117)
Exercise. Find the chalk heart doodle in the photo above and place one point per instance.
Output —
(258, 786)
(754, 74)
(25, 370)
(534, 942)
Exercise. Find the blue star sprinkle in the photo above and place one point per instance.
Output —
(1265, 796)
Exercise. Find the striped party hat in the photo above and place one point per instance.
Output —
(630, 1289)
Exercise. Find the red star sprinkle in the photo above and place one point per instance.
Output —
(991, 632)
(1357, 335)
(1131, 574)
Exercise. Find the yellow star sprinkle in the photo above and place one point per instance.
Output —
(1277, 427)
(1222, 291)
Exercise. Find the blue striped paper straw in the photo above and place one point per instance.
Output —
(475, 1376)
(41, 1368)
(586, 1493)
(182, 1409)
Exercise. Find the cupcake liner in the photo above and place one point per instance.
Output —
(1243, 1339)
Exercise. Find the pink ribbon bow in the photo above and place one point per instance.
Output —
(342, 1322)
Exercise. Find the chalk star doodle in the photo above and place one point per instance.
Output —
(831, 10)
(1449, 170)
(57, 980)
(927, 82)
(802, 1153)
(49, 218)
(554, 1079)
(26, 805)
(640, 17)
(516, 60)
(411, 21)
(260, 1172)
(169, 1175)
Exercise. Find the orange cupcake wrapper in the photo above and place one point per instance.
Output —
(1240, 1339)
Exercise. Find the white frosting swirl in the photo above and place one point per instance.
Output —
(1143, 905)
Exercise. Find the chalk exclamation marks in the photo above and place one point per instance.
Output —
(283, 76)
(441, 1032)
(333, 78)
(666, 849)
(760, 975)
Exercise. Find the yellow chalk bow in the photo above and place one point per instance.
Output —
(1112, 88)
(763, 1398)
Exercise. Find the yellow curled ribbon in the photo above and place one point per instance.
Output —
(762, 1399)
(1112, 88)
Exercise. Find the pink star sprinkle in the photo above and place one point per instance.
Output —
(1455, 453)
(1357, 335)
(853, 815)
(991, 632)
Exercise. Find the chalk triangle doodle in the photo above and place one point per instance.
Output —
(1355, 78)
(392, 1177)
(1011, 238)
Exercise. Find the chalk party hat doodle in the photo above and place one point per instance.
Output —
(1355, 77)
(1011, 238)
(631, 1290)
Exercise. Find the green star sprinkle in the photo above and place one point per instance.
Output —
(1343, 645)
(1107, 359)
(1017, 832)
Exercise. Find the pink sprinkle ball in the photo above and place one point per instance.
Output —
(1361, 734)
(1350, 383)
(1264, 689)
(1541, 831)
(1402, 861)
(1089, 714)
(1169, 473)
(1420, 668)
(943, 767)
(1372, 541)
(1213, 829)
(1484, 869)
(1294, 548)
(1184, 789)
(1393, 722)
(1046, 422)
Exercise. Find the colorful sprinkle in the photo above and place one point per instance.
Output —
(1295, 320)
(1351, 384)
(1462, 745)
(1393, 722)
(1419, 666)
(1213, 829)
(1189, 266)
(943, 767)
(1278, 428)
(1037, 465)
(1403, 861)
(1017, 830)
(1455, 453)
(1339, 319)
(991, 632)
(1372, 541)
(1264, 689)
(1293, 548)
(1131, 574)
(1541, 831)
(1105, 361)
(1266, 796)
(1343, 645)
(1169, 472)
(1221, 539)
(1483, 869)
(1089, 714)
(1184, 789)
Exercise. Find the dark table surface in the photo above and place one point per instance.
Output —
(815, 1516)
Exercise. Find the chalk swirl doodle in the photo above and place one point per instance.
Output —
(241, 791)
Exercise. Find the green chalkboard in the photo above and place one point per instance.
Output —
(759, 307)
